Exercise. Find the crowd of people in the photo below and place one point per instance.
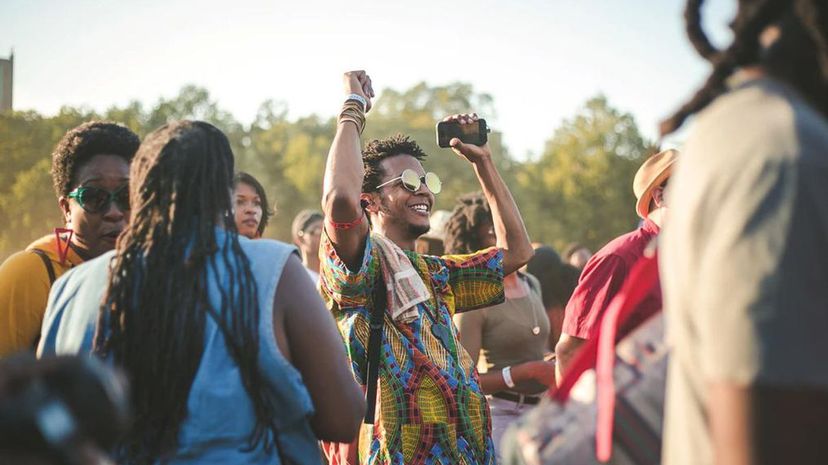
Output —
(393, 333)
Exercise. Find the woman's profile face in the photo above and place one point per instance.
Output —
(247, 208)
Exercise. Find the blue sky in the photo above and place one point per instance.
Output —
(540, 59)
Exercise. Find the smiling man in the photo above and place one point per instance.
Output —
(90, 173)
(377, 203)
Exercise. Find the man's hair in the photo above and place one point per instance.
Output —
(153, 317)
(80, 144)
(378, 150)
(303, 219)
(471, 211)
(799, 57)
(245, 178)
(557, 279)
(570, 250)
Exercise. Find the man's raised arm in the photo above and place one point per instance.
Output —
(508, 224)
(345, 223)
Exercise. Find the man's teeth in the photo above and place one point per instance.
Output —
(420, 208)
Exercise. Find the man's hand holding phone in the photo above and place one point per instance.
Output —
(476, 147)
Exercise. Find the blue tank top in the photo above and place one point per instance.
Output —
(220, 413)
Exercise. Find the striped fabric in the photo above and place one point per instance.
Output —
(431, 408)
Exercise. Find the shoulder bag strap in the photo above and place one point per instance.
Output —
(48, 263)
(380, 302)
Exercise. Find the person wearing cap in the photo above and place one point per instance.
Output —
(306, 231)
(606, 271)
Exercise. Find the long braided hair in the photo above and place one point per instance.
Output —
(798, 57)
(153, 317)
(471, 211)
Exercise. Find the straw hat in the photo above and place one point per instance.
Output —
(652, 174)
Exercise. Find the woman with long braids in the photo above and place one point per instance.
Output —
(224, 367)
(745, 266)
(511, 335)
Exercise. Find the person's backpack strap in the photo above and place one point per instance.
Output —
(380, 302)
(643, 278)
(48, 263)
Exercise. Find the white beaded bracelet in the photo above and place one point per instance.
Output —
(359, 99)
(506, 372)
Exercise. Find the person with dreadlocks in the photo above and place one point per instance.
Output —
(744, 267)
(230, 353)
(90, 174)
(430, 406)
(512, 335)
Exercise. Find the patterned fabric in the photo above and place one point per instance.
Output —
(431, 408)
(405, 287)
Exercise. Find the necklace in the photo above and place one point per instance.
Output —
(527, 288)
(535, 326)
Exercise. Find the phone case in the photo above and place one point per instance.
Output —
(447, 130)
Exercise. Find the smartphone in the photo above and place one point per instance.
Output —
(476, 133)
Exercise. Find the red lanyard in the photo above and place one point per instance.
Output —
(63, 251)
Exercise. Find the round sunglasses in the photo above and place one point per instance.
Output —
(97, 200)
(412, 181)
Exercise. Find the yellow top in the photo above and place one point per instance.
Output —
(24, 292)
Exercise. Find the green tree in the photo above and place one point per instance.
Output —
(580, 188)
(28, 207)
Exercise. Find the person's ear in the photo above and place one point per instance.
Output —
(63, 203)
(368, 203)
(658, 197)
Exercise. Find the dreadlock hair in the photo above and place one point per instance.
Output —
(799, 56)
(152, 321)
(246, 178)
(471, 211)
(83, 142)
(554, 275)
(378, 150)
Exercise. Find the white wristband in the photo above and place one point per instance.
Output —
(359, 99)
(507, 376)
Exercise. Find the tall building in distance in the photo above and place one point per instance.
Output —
(6, 82)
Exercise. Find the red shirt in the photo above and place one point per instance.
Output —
(601, 280)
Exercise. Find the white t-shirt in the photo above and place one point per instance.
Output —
(744, 256)
(314, 276)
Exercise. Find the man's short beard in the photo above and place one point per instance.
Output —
(418, 230)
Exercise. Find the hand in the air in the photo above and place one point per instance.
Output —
(358, 82)
(470, 152)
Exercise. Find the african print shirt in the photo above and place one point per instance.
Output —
(431, 407)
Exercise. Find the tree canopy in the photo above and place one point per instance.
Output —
(579, 189)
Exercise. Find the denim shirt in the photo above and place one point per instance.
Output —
(220, 413)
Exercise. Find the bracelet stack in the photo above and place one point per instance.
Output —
(353, 110)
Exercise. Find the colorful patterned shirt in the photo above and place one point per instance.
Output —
(431, 407)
